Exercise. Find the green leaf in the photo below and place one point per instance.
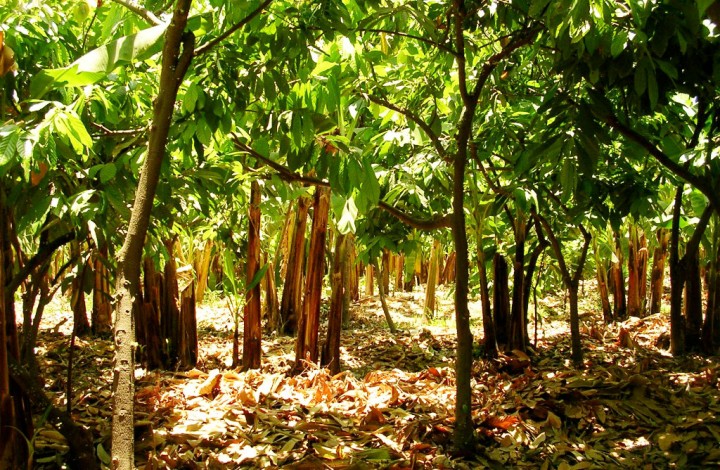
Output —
(346, 224)
(9, 136)
(640, 80)
(257, 278)
(652, 89)
(98, 63)
(370, 186)
(107, 172)
(618, 43)
(537, 7)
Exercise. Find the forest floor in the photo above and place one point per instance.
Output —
(632, 406)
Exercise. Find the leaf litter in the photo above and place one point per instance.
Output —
(633, 405)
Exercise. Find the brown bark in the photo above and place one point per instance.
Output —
(383, 303)
(489, 338)
(369, 280)
(602, 280)
(169, 309)
(272, 308)
(306, 347)
(429, 307)
(399, 271)
(618, 282)
(711, 324)
(331, 347)
(252, 329)
(350, 280)
(101, 320)
(188, 350)
(693, 301)
(634, 302)
(448, 274)
(201, 265)
(501, 301)
(385, 271)
(81, 326)
(517, 328)
(174, 66)
(658, 270)
(291, 304)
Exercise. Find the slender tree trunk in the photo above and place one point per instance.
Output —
(618, 280)
(174, 66)
(369, 280)
(634, 304)
(572, 283)
(81, 326)
(349, 279)
(383, 303)
(429, 307)
(385, 271)
(711, 325)
(693, 300)
(102, 306)
(252, 330)
(291, 304)
(501, 300)
(170, 310)
(188, 331)
(331, 348)
(602, 280)
(489, 340)
(658, 270)
(306, 347)
(271, 300)
(399, 271)
(677, 282)
(642, 272)
(517, 333)
(531, 266)
(201, 264)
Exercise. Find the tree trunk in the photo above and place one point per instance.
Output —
(170, 310)
(81, 326)
(291, 304)
(711, 325)
(517, 327)
(331, 347)
(572, 282)
(602, 280)
(488, 323)
(252, 328)
(429, 307)
(693, 300)
(634, 302)
(618, 281)
(201, 264)
(271, 301)
(657, 279)
(643, 268)
(306, 347)
(102, 306)
(369, 280)
(15, 419)
(448, 274)
(399, 271)
(350, 280)
(188, 329)
(677, 281)
(531, 266)
(383, 303)
(385, 271)
(501, 301)
(174, 67)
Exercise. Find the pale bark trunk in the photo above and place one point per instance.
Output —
(429, 307)
(658, 270)
(174, 66)
(331, 348)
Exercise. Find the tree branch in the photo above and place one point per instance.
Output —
(429, 42)
(208, 46)
(288, 175)
(435, 139)
(696, 181)
(143, 13)
(44, 253)
(118, 132)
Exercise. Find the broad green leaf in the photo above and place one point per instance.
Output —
(346, 224)
(370, 185)
(618, 43)
(257, 278)
(640, 80)
(107, 172)
(96, 64)
(9, 136)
